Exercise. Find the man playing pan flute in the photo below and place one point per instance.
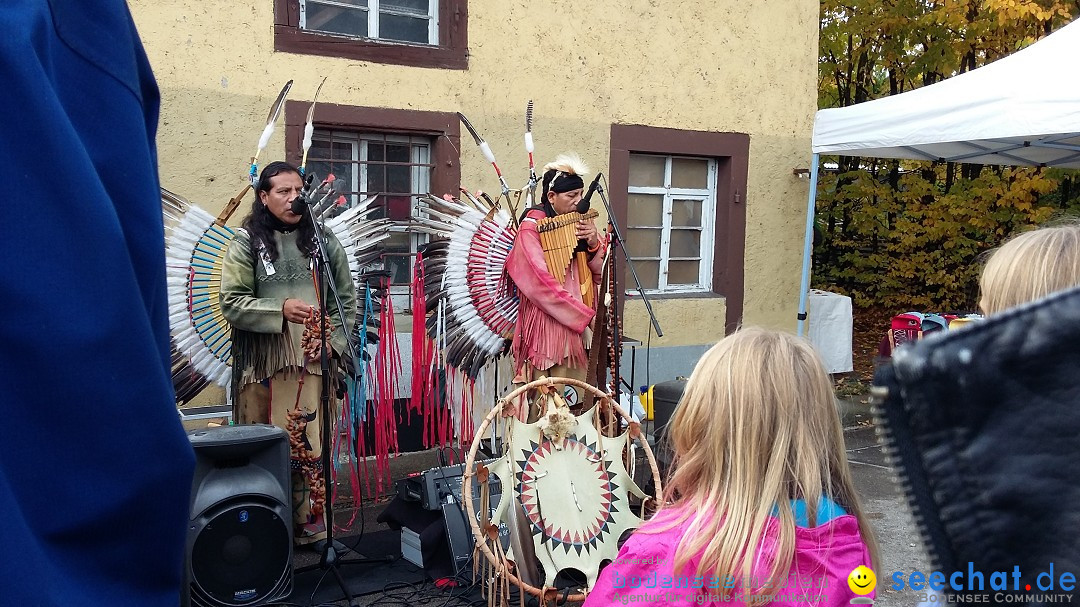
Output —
(557, 291)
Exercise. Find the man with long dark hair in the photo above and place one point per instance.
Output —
(269, 295)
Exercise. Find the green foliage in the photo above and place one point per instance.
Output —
(908, 234)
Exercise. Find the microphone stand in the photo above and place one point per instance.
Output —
(329, 559)
(616, 242)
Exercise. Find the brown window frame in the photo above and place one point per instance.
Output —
(451, 53)
(443, 128)
(732, 154)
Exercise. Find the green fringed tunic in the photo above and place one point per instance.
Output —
(263, 343)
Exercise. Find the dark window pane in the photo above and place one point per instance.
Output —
(397, 152)
(330, 150)
(403, 29)
(376, 176)
(398, 179)
(683, 272)
(648, 271)
(417, 7)
(376, 151)
(336, 19)
(643, 242)
(400, 267)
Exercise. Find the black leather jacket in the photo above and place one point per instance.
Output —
(983, 425)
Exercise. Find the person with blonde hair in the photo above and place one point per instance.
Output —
(760, 507)
(1030, 266)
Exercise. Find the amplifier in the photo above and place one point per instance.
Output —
(439, 489)
(441, 485)
(459, 533)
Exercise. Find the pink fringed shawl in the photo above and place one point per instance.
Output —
(552, 318)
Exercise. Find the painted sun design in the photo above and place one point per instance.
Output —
(576, 512)
(575, 502)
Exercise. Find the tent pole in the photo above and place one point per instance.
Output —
(808, 243)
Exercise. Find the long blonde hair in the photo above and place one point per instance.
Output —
(1030, 266)
(757, 426)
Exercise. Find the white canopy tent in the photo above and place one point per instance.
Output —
(1021, 110)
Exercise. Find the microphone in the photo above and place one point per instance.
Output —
(584, 203)
(301, 201)
(583, 207)
(298, 205)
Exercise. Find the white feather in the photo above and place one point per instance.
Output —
(485, 149)
(264, 139)
(309, 130)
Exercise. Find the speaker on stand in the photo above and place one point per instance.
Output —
(239, 538)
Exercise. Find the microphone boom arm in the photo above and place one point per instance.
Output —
(616, 240)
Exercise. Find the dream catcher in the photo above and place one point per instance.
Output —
(565, 484)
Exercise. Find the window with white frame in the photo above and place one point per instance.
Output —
(671, 211)
(396, 169)
(405, 21)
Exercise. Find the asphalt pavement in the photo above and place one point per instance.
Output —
(884, 504)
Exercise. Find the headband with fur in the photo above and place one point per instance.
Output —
(563, 174)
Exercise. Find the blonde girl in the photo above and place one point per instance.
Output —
(760, 507)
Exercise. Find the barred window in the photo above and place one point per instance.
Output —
(395, 168)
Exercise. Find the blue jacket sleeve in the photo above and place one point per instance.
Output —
(95, 468)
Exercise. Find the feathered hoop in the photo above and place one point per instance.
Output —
(569, 482)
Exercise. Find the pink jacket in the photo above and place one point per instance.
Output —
(552, 317)
(643, 573)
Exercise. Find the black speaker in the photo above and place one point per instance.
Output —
(239, 538)
(459, 533)
(666, 396)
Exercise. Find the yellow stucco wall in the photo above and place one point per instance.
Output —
(725, 66)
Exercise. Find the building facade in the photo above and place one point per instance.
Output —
(696, 112)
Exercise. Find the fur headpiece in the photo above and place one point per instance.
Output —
(563, 174)
(570, 163)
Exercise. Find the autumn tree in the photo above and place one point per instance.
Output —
(907, 234)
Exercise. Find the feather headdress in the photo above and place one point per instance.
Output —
(196, 244)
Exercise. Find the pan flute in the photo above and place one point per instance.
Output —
(558, 237)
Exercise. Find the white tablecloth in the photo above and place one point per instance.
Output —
(829, 329)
